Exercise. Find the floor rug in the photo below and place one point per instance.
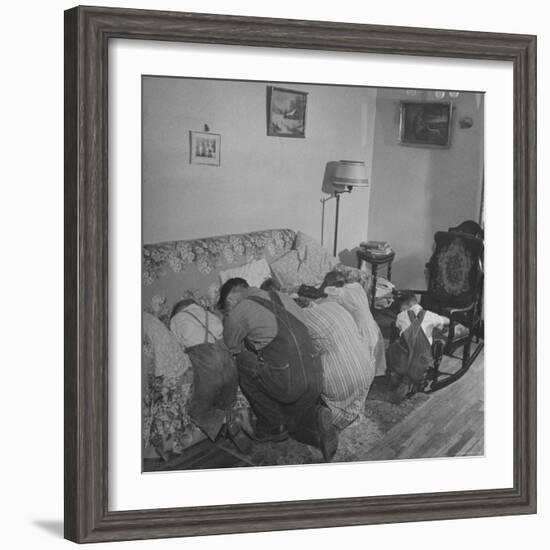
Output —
(379, 416)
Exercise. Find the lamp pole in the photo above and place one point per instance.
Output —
(347, 175)
(336, 217)
(336, 223)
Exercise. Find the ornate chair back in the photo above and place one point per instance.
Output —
(455, 270)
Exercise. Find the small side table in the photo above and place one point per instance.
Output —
(375, 262)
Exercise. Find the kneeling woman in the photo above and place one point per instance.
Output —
(348, 371)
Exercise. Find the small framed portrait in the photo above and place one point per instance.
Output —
(205, 148)
(425, 124)
(286, 112)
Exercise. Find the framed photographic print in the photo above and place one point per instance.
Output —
(205, 148)
(185, 280)
(286, 112)
(170, 409)
(427, 124)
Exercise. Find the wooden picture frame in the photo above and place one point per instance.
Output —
(281, 123)
(87, 34)
(425, 123)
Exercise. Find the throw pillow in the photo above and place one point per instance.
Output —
(319, 260)
(254, 273)
(290, 272)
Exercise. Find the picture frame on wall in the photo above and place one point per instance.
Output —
(286, 112)
(204, 148)
(98, 325)
(425, 124)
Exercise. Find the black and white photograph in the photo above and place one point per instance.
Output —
(426, 124)
(290, 262)
(204, 148)
(286, 112)
(316, 300)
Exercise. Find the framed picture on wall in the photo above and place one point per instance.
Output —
(426, 124)
(204, 148)
(112, 325)
(286, 112)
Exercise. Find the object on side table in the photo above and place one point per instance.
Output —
(377, 248)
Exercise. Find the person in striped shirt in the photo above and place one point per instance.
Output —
(348, 370)
(279, 371)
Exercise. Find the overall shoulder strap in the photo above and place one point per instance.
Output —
(207, 330)
(414, 335)
(416, 321)
(273, 305)
(276, 299)
(262, 301)
(276, 307)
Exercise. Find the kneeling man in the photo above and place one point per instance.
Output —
(279, 371)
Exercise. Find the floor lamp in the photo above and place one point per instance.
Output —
(347, 175)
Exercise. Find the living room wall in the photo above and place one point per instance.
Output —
(263, 181)
(417, 191)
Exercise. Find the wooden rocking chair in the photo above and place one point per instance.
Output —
(455, 290)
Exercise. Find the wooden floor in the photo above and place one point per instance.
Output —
(450, 423)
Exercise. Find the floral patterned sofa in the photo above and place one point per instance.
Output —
(190, 269)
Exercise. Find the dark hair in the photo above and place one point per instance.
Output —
(228, 287)
(270, 284)
(334, 278)
(407, 298)
(181, 305)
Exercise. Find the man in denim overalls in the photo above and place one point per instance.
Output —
(279, 371)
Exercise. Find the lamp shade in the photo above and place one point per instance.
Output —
(351, 173)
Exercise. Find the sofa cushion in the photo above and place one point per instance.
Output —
(290, 272)
(318, 260)
(254, 273)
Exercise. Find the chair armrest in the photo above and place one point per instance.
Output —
(455, 310)
(401, 291)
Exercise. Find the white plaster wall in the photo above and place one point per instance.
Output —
(263, 181)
